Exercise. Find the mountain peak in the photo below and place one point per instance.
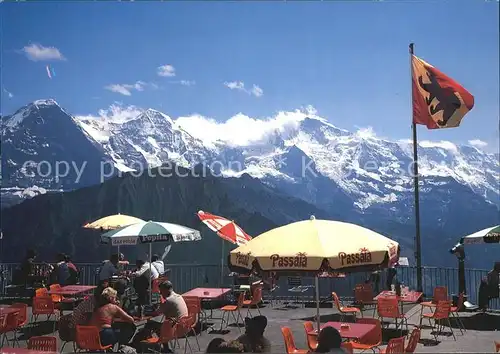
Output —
(45, 102)
(30, 109)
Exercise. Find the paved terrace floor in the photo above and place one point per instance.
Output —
(482, 330)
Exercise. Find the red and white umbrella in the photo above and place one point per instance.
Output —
(226, 229)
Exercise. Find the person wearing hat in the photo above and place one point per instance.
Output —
(253, 340)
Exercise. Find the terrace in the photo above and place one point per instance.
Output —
(482, 328)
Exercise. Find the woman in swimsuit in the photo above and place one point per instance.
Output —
(105, 313)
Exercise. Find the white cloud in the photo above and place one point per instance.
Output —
(187, 82)
(256, 130)
(126, 89)
(257, 91)
(478, 143)
(38, 52)
(115, 113)
(9, 94)
(240, 86)
(166, 70)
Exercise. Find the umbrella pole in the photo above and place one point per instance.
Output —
(222, 263)
(150, 274)
(316, 285)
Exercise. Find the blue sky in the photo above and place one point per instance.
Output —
(348, 60)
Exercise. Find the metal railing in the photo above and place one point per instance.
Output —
(189, 276)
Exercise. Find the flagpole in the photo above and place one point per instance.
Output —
(418, 253)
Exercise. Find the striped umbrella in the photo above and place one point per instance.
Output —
(488, 235)
(150, 232)
(226, 229)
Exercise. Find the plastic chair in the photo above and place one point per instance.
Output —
(232, 309)
(167, 334)
(44, 305)
(43, 343)
(441, 314)
(193, 304)
(290, 342)
(41, 292)
(9, 324)
(22, 315)
(374, 340)
(497, 346)
(66, 332)
(255, 301)
(348, 347)
(363, 296)
(413, 341)
(388, 307)
(343, 309)
(454, 311)
(395, 346)
(184, 327)
(312, 340)
(440, 294)
(59, 298)
(87, 338)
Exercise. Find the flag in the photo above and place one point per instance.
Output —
(438, 100)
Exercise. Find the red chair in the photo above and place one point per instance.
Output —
(440, 294)
(255, 301)
(59, 298)
(43, 344)
(184, 327)
(374, 340)
(87, 338)
(413, 341)
(41, 292)
(312, 339)
(442, 313)
(9, 324)
(363, 296)
(290, 342)
(233, 309)
(454, 311)
(497, 346)
(44, 305)
(343, 309)
(395, 346)
(193, 304)
(167, 334)
(22, 315)
(388, 307)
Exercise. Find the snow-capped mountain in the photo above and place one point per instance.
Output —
(45, 149)
(368, 169)
(314, 160)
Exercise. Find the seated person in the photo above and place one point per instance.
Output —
(104, 315)
(329, 341)
(109, 268)
(253, 340)
(157, 263)
(73, 271)
(173, 309)
(61, 271)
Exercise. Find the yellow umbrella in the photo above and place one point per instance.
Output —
(308, 245)
(113, 222)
